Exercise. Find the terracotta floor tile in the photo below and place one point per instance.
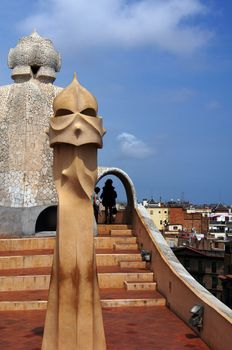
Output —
(125, 328)
(24, 295)
(27, 271)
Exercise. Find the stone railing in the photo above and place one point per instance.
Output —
(179, 288)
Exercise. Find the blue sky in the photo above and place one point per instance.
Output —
(161, 71)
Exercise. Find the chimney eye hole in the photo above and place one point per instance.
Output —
(89, 112)
(61, 112)
(35, 69)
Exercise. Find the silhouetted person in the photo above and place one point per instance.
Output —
(108, 197)
(96, 203)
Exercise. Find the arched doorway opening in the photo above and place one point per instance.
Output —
(124, 216)
(46, 220)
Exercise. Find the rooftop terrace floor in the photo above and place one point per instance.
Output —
(129, 328)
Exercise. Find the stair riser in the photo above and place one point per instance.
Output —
(105, 229)
(114, 259)
(16, 283)
(23, 305)
(133, 302)
(108, 242)
(27, 261)
(132, 264)
(116, 280)
(27, 243)
(42, 304)
(106, 280)
(49, 243)
(121, 233)
(31, 261)
(140, 286)
(122, 246)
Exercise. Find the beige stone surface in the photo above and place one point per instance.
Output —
(17, 283)
(26, 261)
(74, 315)
(116, 280)
(25, 109)
(26, 243)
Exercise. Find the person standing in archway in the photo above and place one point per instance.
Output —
(96, 203)
(108, 197)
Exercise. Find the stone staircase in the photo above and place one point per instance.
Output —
(124, 279)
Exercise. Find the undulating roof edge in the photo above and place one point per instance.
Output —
(180, 289)
(178, 268)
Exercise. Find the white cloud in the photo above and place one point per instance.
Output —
(133, 147)
(180, 95)
(104, 23)
(213, 105)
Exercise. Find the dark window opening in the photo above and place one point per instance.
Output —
(46, 220)
(186, 263)
(214, 266)
(214, 282)
(200, 266)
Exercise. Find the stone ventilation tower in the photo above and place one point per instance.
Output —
(26, 183)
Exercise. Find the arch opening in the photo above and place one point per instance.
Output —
(124, 216)
(47, 219)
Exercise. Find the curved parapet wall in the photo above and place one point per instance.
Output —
(180, 289)
(126, 181)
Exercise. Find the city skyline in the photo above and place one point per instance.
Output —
(161, 72)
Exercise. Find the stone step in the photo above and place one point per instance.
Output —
(123, 298)
(113, 259)
(125, 246)
(108, 242)
(132, 302)
(116, 280)
(105, 229)
(23, 305)
(25, 261)
(35, 281)
(30, 243)
(125, 232)
(132, 285)
(132, 264)
(26, 271)
(42, 304)
(37, 299)
(18, 283)
(34, 261)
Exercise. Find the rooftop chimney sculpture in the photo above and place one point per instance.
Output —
(27, 186)
(74, 316)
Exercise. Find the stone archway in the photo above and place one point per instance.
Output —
(128, 186)
(46, 220)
